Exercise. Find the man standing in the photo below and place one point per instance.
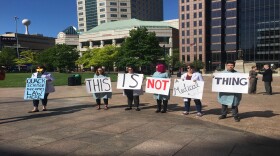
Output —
(267, 79)
(229, 99)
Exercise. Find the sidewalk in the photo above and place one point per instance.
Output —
(73, 126)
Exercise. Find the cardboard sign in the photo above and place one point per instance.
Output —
(98, 85)
(230, 82)
(158, 85)
(129, 81)
(188, 88)
(35, 88)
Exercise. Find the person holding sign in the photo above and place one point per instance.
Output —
(103, 95)
(229, 99)
(193, 76)
(132, 95)
(41, 73)
(161, 73)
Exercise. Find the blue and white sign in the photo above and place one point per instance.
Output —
(35, 88)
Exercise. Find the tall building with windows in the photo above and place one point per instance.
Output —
(260, 31)
(193, 30)
(95, 12)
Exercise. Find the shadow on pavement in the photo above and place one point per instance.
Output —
(51, 112)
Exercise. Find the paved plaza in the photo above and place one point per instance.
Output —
(73, 126)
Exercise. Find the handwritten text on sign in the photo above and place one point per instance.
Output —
(157, 85)
(129, 81)
(188, 88)
(35, 88)
(98, 85)
(230, 82)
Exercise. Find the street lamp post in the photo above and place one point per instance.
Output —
(16, 35)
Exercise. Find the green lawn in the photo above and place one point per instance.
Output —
(18, 79)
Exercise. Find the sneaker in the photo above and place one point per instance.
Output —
(128, 108)
(185, 113)
(222, 117)
(236, 118)
(199, 114)
(163, 111)
(137, 109)
(157, 111)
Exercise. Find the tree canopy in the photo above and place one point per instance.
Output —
(7, 57)
(141, 48)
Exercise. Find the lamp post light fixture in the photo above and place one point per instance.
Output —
(16, 35)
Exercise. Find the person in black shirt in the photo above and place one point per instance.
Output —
(267, 79)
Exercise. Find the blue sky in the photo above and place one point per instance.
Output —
(48, 17)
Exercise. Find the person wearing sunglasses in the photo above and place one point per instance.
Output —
(104, 95)
(41, 73)
(132, 95)
(193, 76)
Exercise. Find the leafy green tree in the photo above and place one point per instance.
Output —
(198, 64)
(61, 56)
(28, 57)
(141, 48)
(104, 56)
(7, 57)
(173, 60)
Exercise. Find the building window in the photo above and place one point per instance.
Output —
(194, 32)
(188, 8)
(188, 49)
(123, 16)
(200, 31)
(183, 16)
(102, 4)
(123, 4)
(188, 24)
(188, 58)
(188, 41)
(200, 40)
(102, 15)
(188, 33)
(200, 6)
(200, 23)
(114, 15)
(194, 15)
(81, 19)
(81, 30)
(194, 7)
(194, 23)
(183, 49)
(182, 1)
(113, 9)
(183, 58)
(182, 8)
(102, 10)
(81, 25)
(113, 3)
(81, 13)
(183, 33)
(200, 14)
(80, 2)
(123, 10)
(80, 8)
(183, 25)
(188, 16)
(183, 41)
(103, 21)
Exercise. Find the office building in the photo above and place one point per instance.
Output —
(95, 12)
(192, 24)
(69, 36)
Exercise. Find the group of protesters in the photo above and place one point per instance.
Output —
(226, 99)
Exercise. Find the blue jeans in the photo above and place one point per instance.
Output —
(197, 102)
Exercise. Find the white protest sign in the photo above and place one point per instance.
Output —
(158, 85)
(35, 88)
(230, 82)
(188, 88)
(129, 81)
(98, 85)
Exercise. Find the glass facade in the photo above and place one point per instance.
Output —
(260, 31)
(91, 14)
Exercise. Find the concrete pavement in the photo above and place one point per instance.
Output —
(73, 126)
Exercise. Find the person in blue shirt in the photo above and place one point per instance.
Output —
(161, 99)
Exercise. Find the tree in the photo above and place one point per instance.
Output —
(61, 56)
(7, 57)
(141, 48)
(198, 64)
(104, 56)
(173, 60)
(28, 57)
